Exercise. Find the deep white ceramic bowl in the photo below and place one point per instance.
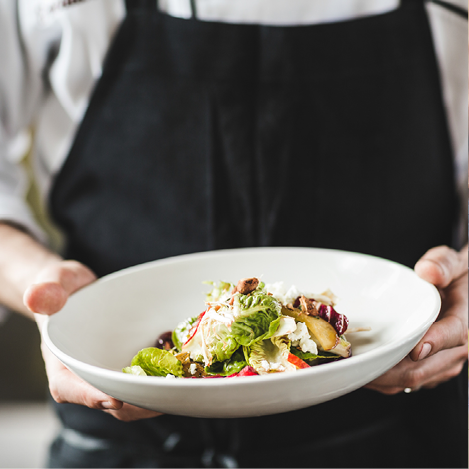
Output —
(105, 324)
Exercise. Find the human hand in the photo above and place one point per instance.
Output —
(442, 352)
(48, 295)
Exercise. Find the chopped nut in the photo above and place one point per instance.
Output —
(247, 285)
(308, 306)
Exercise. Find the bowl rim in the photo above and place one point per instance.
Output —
(370, 355)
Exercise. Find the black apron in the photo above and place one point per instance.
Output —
(205, 135)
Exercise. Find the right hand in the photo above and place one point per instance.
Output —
(48, 295)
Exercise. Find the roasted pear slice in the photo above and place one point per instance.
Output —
(322, 332)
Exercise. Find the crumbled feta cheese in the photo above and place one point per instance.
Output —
(286, 326)
(266, 365)
(308, 345)
(301, 338)
(286, 296)
(170, 376)
(277, 367)
(193, 368)
(283, 295)
(300, 331)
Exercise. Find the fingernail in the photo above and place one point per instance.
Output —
(426, 349)
(107, 405)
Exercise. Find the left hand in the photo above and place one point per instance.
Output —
(441, 353)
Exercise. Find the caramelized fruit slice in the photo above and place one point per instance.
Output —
(322, 332)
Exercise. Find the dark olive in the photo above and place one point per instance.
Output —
(165, 341)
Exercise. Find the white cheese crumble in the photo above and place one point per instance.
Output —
(266, 365)
(277, 367)
(283, 295)
(170, 376)
(280, 292)
(286, 326)
(301, 338)
(193, 368)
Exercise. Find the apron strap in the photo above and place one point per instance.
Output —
(451, 7)
(193, 9)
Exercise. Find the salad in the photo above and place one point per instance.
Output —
(249, 329)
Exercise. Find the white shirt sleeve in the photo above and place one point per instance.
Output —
(17, 97)
(450, 35)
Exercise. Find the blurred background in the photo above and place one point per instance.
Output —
(27, 423)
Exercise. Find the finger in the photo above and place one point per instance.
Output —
(129, 413)
(391, 382)
(410, 374)
(66, 387)
(441, 265)
(450, 330)
(54, 286)
(450, 371)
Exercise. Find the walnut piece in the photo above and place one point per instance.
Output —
(247, 285)
(308, 306)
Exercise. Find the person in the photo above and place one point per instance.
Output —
(198, 125)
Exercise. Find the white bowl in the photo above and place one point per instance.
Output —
(105, 324)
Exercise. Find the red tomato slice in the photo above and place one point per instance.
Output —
(246, 371)
(298, 362)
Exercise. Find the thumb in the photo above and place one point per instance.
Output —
(54, 285)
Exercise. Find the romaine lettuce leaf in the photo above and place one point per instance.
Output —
(271, 355)
(221, 344)
(134, 370)
(233, 365)
(259, 318)
(157, 362)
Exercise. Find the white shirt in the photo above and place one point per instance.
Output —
(51, 56)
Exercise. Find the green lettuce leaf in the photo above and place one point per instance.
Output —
(180, 334)
(274, 351)
(218, 290)
(134, 370)
(308, 356)
(221, 344)
(157, 362)
(259, 318)
(233, 365)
